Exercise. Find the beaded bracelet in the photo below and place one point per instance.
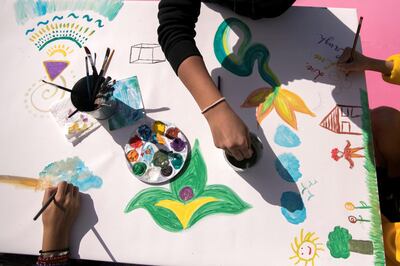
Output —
(213, 105)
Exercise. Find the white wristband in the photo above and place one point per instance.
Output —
(213, 104)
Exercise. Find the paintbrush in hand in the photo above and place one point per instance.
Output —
(355, 41)
(45, 205)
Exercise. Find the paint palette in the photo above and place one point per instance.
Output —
(156, 151)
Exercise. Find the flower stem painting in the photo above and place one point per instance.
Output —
(189, 199)
(285, 102)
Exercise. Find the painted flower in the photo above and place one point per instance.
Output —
(285, 103)
(189, 198)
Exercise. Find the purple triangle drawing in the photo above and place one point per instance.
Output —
(55, 68)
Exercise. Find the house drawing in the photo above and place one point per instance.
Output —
(342, 119)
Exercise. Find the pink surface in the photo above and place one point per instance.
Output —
(379, 37)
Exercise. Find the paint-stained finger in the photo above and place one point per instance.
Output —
(75, 191)
(47, 193)
(61, 190)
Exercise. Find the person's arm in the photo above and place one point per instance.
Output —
(58, 219)
(390, 68)
(176, 36)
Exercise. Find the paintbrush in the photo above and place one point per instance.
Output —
(101, 74)
(87, 79)
(71, 114)
(58, 86)
(44, 207)
(108, 62)
(91, 60)
(355, 41)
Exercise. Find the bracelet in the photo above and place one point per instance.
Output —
(53, 250)
(220, 100)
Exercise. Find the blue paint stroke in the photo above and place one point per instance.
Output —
(30, 30)
(293, 208)
(57, 17)
(42, 23)
(287, 165)
(72, 14)
(285, 137)
(29, 9)
(99, 23)
(72, 170)
(88, 18)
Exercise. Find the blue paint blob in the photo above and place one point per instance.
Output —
(293, 207)
(287, 166)
(285, 137)
(72, 170)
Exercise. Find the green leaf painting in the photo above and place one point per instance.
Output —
(189, 199)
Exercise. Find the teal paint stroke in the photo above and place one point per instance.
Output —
(72, 170)
(288, 167)
(60, 38)
(130, 106)
(285, 137)
(242, 63)
(293, 208)
(28, 9)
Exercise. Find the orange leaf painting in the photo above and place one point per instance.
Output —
(285, 102)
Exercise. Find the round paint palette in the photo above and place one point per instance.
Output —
(156, 151)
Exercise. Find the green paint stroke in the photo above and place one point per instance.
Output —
(28, 9)
(189, 199)
(369, 165)
(340, 244)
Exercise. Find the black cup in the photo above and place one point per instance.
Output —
(83, 98)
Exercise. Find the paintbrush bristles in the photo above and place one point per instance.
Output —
(91, 60)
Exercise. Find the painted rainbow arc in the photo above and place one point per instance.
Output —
(74, 32)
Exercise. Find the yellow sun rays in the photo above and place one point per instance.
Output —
(305, 248)
(59, 48)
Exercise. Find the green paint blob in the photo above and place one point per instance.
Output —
(160, 159)
(177, 160)
(139, 168)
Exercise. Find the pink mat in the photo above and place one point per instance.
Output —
(380, 39)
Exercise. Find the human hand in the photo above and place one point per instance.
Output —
(229, 132)
(359, 62)
(59, 216)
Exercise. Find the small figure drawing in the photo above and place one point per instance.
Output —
(348, 153)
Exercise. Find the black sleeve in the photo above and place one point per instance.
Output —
(176, 31)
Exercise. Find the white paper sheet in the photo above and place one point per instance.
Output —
(300, 41)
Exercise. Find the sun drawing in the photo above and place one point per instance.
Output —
(306, 248)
